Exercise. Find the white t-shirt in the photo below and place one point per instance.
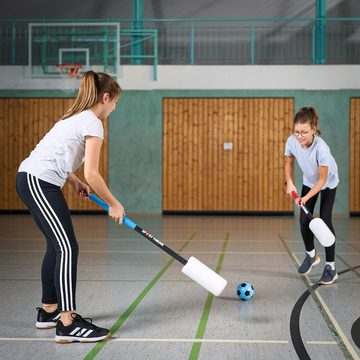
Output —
(62, 149)
(309, 160)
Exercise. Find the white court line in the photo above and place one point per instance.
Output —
(340, 332)
(232, 341)
(26, 339)
(337, 327)
(235, 341)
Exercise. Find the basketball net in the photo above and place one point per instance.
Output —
(70, 74)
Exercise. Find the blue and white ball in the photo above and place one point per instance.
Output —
(245, 291)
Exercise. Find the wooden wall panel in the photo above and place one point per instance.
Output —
(354, 194)
(199, 175)
(23, 122)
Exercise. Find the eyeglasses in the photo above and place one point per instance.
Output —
(300, 133)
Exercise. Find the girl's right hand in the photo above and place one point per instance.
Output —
(117, 212)
(290, 187)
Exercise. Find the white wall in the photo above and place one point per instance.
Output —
(179, 77)
(243, 77)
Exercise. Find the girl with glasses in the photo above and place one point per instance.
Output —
(320, 176)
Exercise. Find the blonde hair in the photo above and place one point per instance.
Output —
(92, 87)
(308, 115)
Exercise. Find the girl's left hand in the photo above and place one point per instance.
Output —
(303, 200)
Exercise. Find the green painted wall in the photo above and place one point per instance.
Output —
(135, 139)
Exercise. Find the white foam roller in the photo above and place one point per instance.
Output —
(204, 276)
(322, 232)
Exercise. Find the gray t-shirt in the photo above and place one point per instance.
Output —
(309, 160)
(62, 149)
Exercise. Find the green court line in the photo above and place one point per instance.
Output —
(124, 316)
(195, 350)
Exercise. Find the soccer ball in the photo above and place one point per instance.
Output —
(245, 291)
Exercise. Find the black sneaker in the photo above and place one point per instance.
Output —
(81, 330)
(46, 320)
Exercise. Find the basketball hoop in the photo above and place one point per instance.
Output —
(70, 74)
(69, 69)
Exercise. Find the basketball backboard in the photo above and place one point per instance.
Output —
(95, 46)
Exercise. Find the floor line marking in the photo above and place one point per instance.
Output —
(131, 308)
(140, 280)
(195, 350)
(196, 340)
(348, 265)
(202, 340)
(85, 240)
(332, 319)
(160, 252)
(337, 327)
(321, 342)
(26, 339)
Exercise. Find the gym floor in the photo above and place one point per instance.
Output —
(155, 312)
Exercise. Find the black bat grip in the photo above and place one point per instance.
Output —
(303, 207)
(159, 244)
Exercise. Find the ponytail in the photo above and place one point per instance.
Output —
(308, 115)
(92, 86)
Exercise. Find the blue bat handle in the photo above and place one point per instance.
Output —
(105, 206)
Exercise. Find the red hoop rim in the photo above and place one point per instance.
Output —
(73, 69)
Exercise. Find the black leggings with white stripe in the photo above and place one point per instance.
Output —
(49, 209)
(327, 198)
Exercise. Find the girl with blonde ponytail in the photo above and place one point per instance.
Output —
(75, 139)
(320, 176)
(92, 87)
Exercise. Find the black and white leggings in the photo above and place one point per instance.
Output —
(327, 198)
(49, 209)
